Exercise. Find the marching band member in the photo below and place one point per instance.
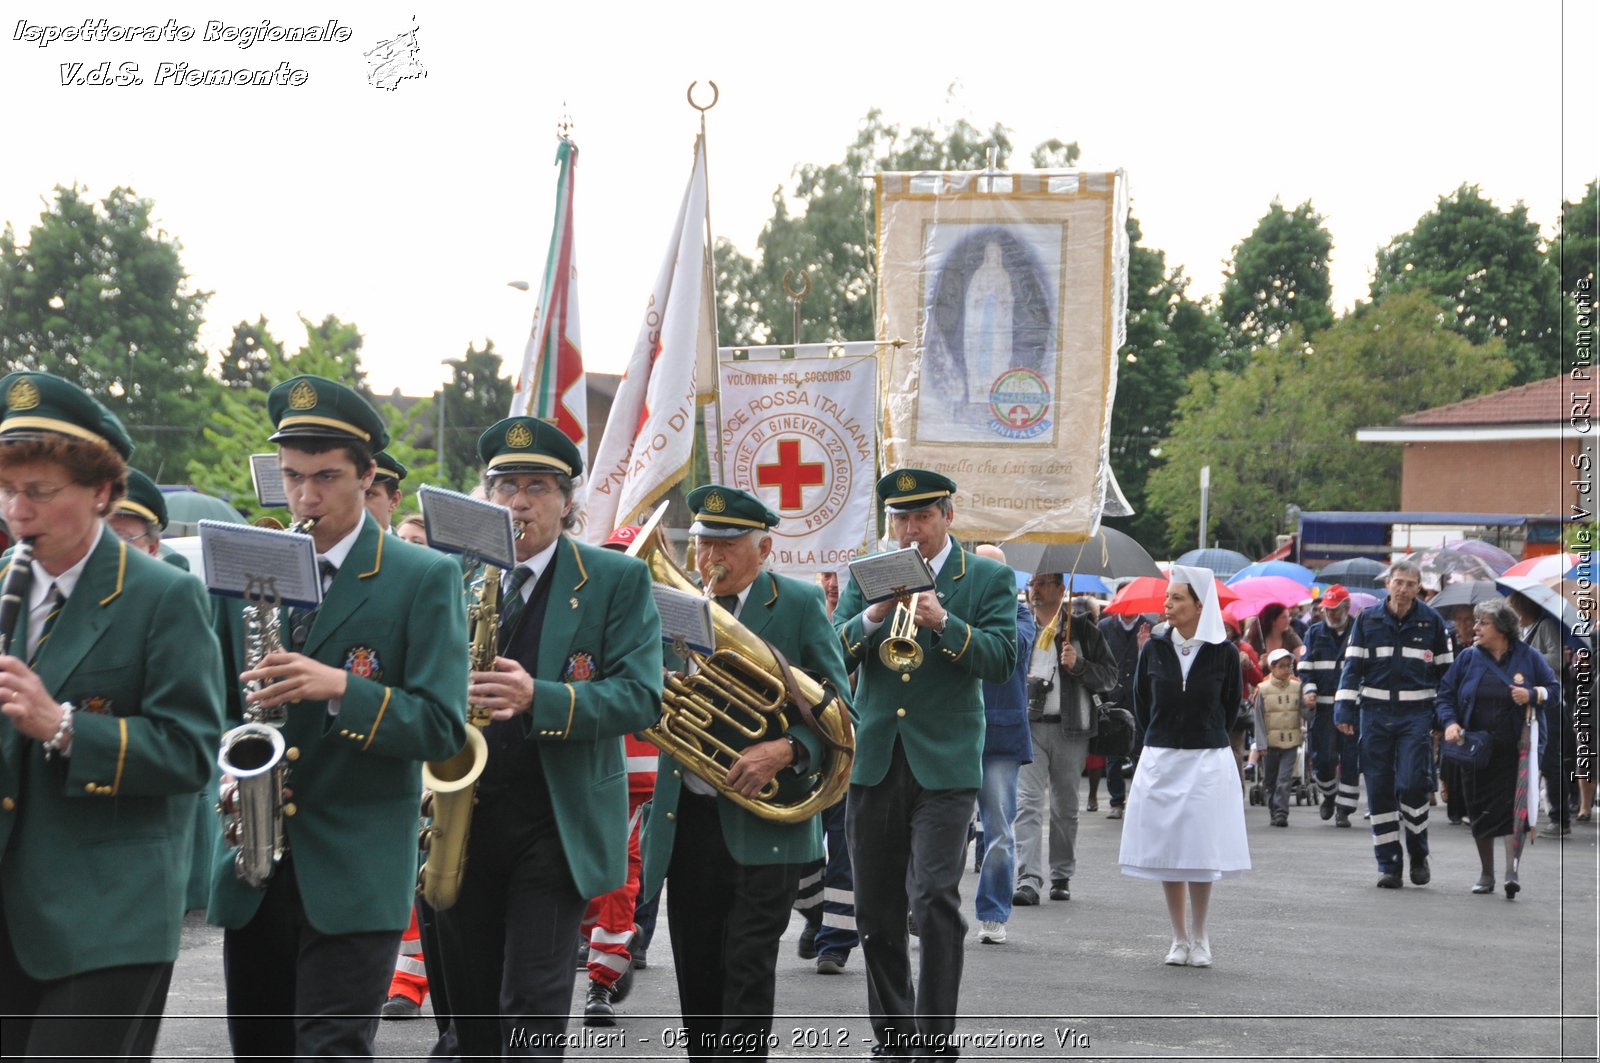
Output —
(579, 667)
(373, 680)
(112, 709)
(919, 762)
(733, 874)
(385, 496)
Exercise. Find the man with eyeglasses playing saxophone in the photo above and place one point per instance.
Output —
(578, 667)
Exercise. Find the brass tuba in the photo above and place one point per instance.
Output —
(744, 692)
(253, 753)
(449, 785)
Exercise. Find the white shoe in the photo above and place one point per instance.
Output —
(1178, 955)
(991, 932)
(1200, 954)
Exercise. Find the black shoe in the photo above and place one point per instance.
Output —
(597, 1009)
(1513, 887)
(1558, 830)
(583, 954)
(1485, 884)
(640, 961)
(807, 948)
(1326, 811)
(1025, 896)
(401, 1007)
(1390, 880)
(1341, 818)
(1280, 821)
(832, 963)
(622, 986)
(1059, 890)
(1420, 874)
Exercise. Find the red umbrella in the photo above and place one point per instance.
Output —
(1148, 594)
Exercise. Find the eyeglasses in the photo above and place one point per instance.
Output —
(506, 490)
(39, 496)
(143, 536)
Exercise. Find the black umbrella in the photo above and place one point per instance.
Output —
(1109, 554)
(1469, 592)
(1222, 563)
(1356, 573)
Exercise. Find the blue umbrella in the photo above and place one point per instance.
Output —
(1222, 563)
(1287, 569)
(1081, 584)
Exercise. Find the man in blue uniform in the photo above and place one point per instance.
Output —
(1392, 666)
(1334, 755)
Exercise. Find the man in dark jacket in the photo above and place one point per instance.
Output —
(1069, 663)
(1125, 635)
(1007, 746)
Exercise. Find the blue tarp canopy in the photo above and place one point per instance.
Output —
(1328, 535)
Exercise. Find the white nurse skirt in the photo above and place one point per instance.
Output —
(1185, 817)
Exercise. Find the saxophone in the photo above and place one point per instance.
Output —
(449, 785)
(254, 752)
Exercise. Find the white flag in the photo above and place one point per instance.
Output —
(649, 437)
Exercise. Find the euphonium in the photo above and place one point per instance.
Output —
(254, 752)
(899, 650)
(449, 785)
(741, 693)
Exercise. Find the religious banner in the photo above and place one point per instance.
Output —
(801, 434)
(1010, 290)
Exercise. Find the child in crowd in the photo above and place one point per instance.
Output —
(1280, 714)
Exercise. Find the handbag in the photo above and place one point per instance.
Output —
(1476, 747)
(1114, 735)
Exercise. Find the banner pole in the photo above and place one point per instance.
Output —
(713, 439)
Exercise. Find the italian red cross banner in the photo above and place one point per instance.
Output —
(1011, 292)
(801, 434)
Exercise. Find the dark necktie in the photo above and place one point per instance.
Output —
(58, 601)
(730, 602)
(512, 604)
(301, 619)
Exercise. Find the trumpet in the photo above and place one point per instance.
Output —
(899, 650)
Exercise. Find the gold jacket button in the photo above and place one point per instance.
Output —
(8, 804)
(89, 788)
(905, 677)
(292, 753)
(899, 712)
(676, 774)
(289, 808)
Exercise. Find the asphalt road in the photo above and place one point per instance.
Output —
(1312, 962)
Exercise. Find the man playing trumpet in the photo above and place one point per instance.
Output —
(733, 874)
(919, 762)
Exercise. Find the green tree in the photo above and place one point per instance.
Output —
(1169, 336)
(477, 396)
(1278, 278)
(1487, 270)
(99, 296)
(247, 362)
(824, 229)
(1282, 430)
(1577, 249)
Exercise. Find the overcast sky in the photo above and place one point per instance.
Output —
(408, 211)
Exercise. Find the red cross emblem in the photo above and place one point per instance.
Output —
(789, 474)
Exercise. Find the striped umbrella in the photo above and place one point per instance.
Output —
(1522, 830)
(1542, 568)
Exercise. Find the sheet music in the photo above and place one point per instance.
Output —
(460, 524)
(243, 561)
(892, 574)
(268, 480)
(684, 616)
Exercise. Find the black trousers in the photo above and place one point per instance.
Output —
(725, 919)
(506, 946)
(111, 1013)
(297, 993)
(908, 846)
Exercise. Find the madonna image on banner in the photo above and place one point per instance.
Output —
(992, 306)
(1004, 295)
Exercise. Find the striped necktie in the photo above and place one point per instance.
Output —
(512, 604)
(58, 601)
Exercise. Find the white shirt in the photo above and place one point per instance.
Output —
(535, 566)
(42, 596)
(339, 552)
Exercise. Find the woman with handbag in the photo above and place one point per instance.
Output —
(1485, 699)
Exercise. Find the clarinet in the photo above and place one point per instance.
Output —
(14, 594)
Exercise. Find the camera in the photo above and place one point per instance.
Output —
(1038, 689)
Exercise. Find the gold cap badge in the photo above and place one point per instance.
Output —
(715, 503)
(302, 396)
(24, 395)
(519, 437)
(905, 482)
